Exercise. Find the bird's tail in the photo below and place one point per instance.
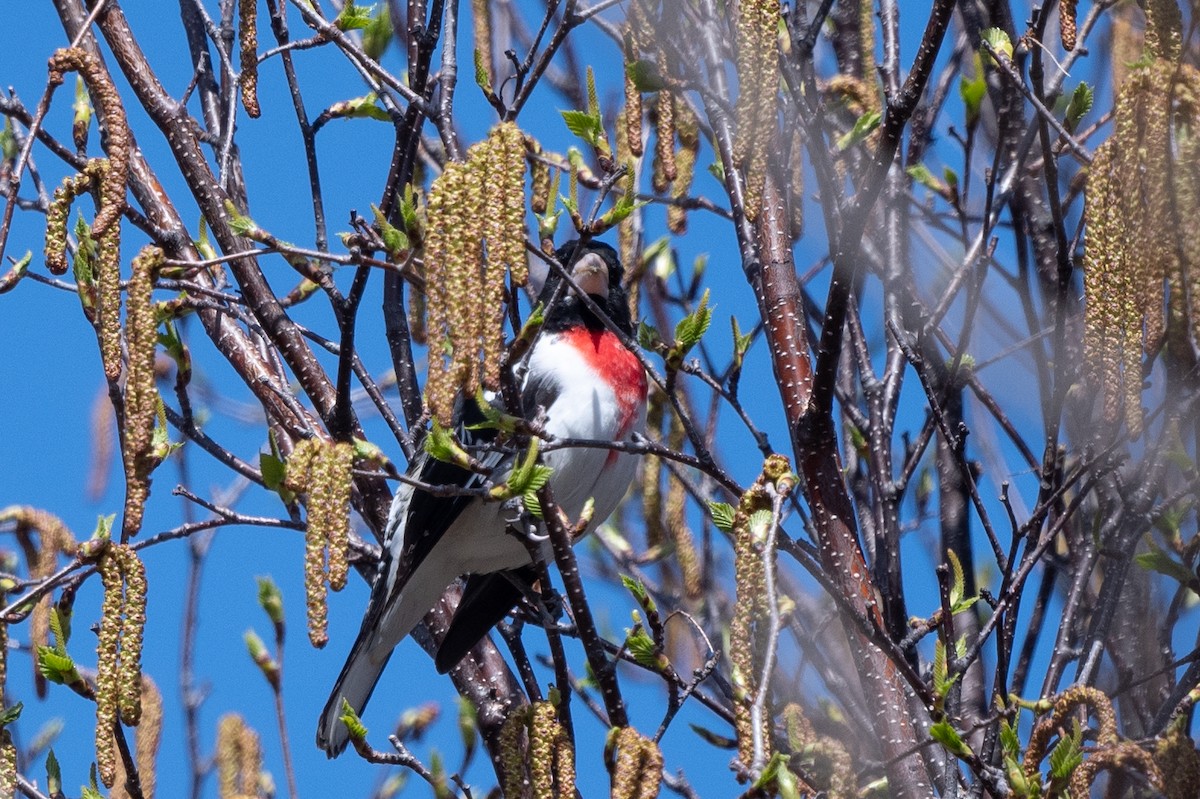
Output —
(354, 685)
(391, 615)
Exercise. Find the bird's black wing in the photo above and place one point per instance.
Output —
(426, 517)
(486, 599)
(540, 391)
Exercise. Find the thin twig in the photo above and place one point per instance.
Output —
(759, 706)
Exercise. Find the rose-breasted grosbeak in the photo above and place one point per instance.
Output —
(589, 387)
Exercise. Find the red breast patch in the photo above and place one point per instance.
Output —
(619, 367)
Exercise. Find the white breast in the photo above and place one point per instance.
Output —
(585, 408)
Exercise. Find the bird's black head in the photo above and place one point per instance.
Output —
(596, 269)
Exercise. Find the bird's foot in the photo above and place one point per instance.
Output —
(520, 523)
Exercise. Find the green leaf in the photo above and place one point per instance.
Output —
(91, 791)
(104, 525)
(255, 646)
(615, 541)
(589, 677)
(365, 107)
(642, 647)
(1009, 740)
(645, 76)
(239, 223)
(369, 452)
(353, 17)
(353, 723)
(392, 786)
(408, 212)
(691, 328)
(760, 524)
(82, 107)
(777, 778)
(1017, 780)
(584, 125)
(951, 178)
(56, 666)
(161, 445)
(858, 440)
(440, 782)
(647, 335)
(1066, 756)
(270, 599)
(924, 490)
(393, 237)
(468, 723)
(638, 589)
(534, 322)
(635, 587)
(958, 581)
(714, 738)
(741, 342)
(1081, 102)
(171, 342)
(659, 256)
(262, 658)
(999, 42)
(768, 773)
(945, 734)
(722, 515)
(863, 127)
(20, 267)
(570, 203)
(10, 714)
(81, 267)
(1176, 454)
(53, 774)
(1157, 560)
(377, 33)
(60, 628)
(527, 477)
(272, 469)
(443, 446)
(921, 174)
(533, 505)
(966, 364)
(973, 90)
(785, 781)
(548, 222)
(538, 478)
(622, 208)
(585, 515)
(9, 149)
(941, 684)
(1170, 520)
(966, 604)
(495, 418)
(875, 788)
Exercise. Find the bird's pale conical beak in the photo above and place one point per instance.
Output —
(590, 273)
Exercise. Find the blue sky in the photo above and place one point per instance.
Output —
(50, 364)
